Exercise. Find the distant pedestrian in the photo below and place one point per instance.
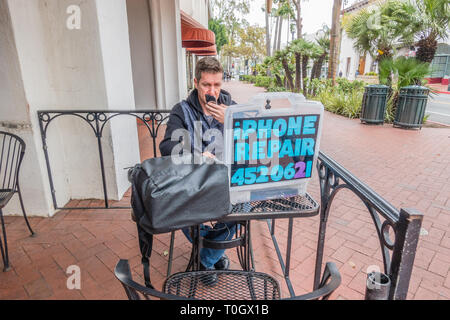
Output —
(340, 74)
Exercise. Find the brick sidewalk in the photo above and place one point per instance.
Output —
(409, 168)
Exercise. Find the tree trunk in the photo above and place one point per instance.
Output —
(276, 34)
(298, 20)
(288, 29)
(279, 33)
(305, 60)
(313, 74)
(267, 34)
(290, 81)
(298, 75)
(319, 66)
(316, 71)
(334, 41)
(278, 80)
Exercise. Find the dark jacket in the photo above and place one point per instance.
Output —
(183, 117)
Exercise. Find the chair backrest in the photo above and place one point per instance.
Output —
(134, 290)
(12, 149)
(330, 282)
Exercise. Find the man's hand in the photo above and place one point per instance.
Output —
(208, 154)
(217, 111)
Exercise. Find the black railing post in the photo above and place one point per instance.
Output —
(407, 238)
(47, 161)
(102, 165)
(324, 202)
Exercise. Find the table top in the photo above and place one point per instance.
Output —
(289, 207)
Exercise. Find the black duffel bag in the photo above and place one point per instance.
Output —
(167, 196)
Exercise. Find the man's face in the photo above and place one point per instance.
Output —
(209, 83)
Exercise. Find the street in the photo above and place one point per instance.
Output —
(438, 108)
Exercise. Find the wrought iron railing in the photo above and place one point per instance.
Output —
(97, 119)
(398, 254)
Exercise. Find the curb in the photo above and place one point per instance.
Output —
(438, 123)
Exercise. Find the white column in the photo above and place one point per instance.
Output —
(141, 53)
(170, 76)
(115, 48)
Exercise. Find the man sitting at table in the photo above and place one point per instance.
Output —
(207, 81)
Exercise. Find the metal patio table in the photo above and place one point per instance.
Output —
(270, 210)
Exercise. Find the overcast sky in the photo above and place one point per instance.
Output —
(315, 13)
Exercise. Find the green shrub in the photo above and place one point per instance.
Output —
(345, 104)
(263, 81)
(348, 86)
(248, 78)
(276, 89)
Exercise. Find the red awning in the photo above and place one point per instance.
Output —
(207, 51)
(197, 38)
(195, 35)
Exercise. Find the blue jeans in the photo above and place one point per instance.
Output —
(221, 231)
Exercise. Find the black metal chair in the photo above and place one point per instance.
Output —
(231, 285)
(12, 150)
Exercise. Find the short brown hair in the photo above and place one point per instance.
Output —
(209, 65)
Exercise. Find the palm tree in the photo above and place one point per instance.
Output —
(407, 71)
(274, 66)
(379, 31)
(323, 40)
(430, 22)
(334, 39)
(302, 51)
(284, 56)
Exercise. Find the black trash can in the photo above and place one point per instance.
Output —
(411, 105)
(374, 104)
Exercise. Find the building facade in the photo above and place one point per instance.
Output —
(353, 63)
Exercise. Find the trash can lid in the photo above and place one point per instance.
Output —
(377, 86)
(414, 87)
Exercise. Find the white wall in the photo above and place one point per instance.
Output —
(347, 51)
(197, 9)
(66, 69)
(15, 118)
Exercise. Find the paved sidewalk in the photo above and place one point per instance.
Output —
(409, 168)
